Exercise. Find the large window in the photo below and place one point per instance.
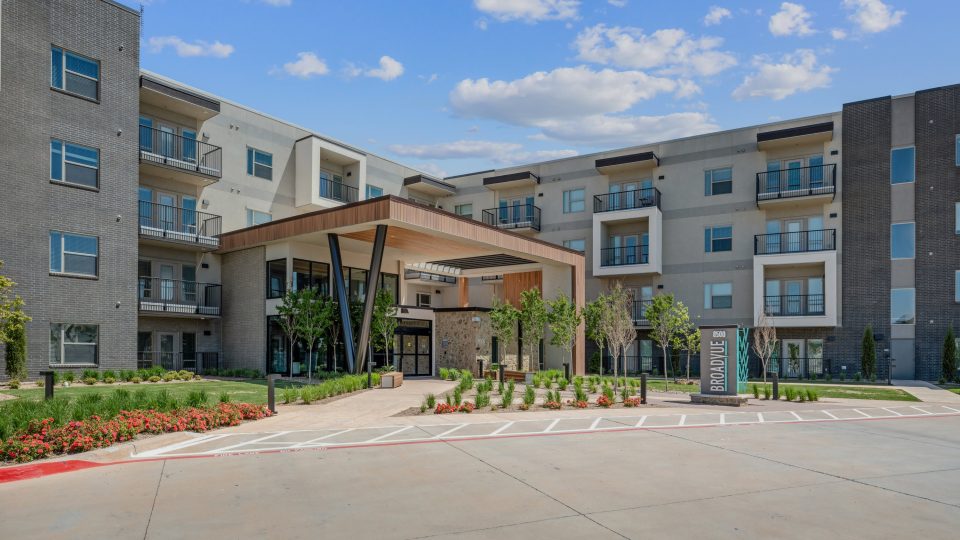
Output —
(718, 181)
(573, 201)
(73, 254)
(718, 295)
(256, 217)
(465, 210)
(74, 164)
(311, 274)
(75, 74)
(902, 306)
(718, 239)
(902, 165)
(356, 281)
(276, 278)
(73, 344)
(373, 192)
(259, 163)
(902, 241)
(579, 244)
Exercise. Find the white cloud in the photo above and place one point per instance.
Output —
(687, 88)
(307, 66)
(716, 15)
(278, 3)
(791, 20)
(430, 79)
(671, 49)
(197, 48)
(529, 11)
(497, 151)
(796, 72)
(838, 33)
(389, 69)
(617, 3)
(481, 24)
(606, 130)
(872, 16)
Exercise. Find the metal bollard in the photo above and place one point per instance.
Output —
(271, 392)
(776, 386)
(501, 373)
(643, 388)
(566, 370)
(47, 385)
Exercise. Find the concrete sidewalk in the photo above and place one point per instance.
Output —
(927, 392)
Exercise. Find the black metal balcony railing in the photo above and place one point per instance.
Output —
(180, 224)
(178, 297)
(795, 242)
(338, 191)
(196, 362)
(794, 305)
(519, 216)
(797, 182)
(627, 200)
(426, 276)
(177, 151)
(622, 256)
(797, 368)
(640, 311)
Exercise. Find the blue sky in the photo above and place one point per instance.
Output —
(453, 86)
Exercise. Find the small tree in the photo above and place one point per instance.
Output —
(618, 325)
(564, 320)
(288, 313)
(384, 323)
(16, 352)
(336, 327)
(667, 317)
(314, 321)
(12, 316)
(868, 353)
(503, 322)
(793, 350)
(594, 314)
(533, 320)
(679, 341)
(949, 356)
(691, 342)
(764, 342)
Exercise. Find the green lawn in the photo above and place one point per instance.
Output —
(955, 390)
(846, 392)
(251, 391)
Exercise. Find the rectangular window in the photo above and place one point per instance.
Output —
(579, 244)
(259, 163)
(718, 181)
(73, 344)
(423, 300)
(718, 239)
(276, 278)
(75, 74)
(573, 201)
(956, 286)
(956, 211)
(465, 210)
(373, 192)
(718, 295)
(256, 217)
(902, 241)
(311, 274)
(73, 254)
(956, 151)
(902, 165)
(74, 164)
(902, 306)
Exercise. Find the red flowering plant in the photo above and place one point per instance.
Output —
(467, 407)
(603, 401)
(580, 404)
(631, 402)
(555, 405)
(445, 408)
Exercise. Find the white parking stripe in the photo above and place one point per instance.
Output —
(892, 411)
(641, 421)
(595, 423)
(723, 419)
(503, 427)
(951, 408)
(861, 413)
(327, 436)
(449, 431)
(185, 444)
(392, 433)
(795, 415)
(683, 419)
(921, 410)
(830, 414)
(760, 417)
(244, 443)
(552, 425)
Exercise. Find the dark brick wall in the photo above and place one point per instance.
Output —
(938, 246)
(30, 205)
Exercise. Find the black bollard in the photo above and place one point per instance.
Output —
(566, 370)
(47, 385)
(643, 388)
(776, 386)
(501, 373)
(271, 392)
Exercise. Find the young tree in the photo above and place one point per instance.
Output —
(667, 317)
(868, 353)
(503, 322)
(793, 350)
(691, 342)
(949, 356)
(16, 352)
(564, 320)
(533, 320)
(764, 342)
(288, 313)
(336, 327)
(12, 316)
(679, 341)
(384, 323)
(618, 325)
(315, 318)
(594, 314)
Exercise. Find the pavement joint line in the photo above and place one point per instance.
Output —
(503, 427)
(392, 433)
(327, 436)
(153, 506)
(181, 445)
(449, 431)
(552, 425)
(244, 443)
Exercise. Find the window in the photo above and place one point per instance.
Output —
(259, 163)
(74, 73)
(276, 278)
(73, 254)
(74, 164)
(579, 244)
(718, 295)
(902, 306)
(956, 211)
(256, 217)
(356, 282)
(465, 210)
(73, 344)
(373, 192)
(902, 241)
(902, 165)
(311, 274)
(956, 151)
(423, 299)
(573, 201)
(718, 181)
(718, 239)
(956, 286)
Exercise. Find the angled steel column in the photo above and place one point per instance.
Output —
(342, 300)
(373, 279)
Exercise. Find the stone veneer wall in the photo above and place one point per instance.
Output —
(460, 333)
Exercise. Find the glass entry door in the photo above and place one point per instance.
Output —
(167, 350)
(413, 347)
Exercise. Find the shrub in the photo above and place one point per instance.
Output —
(16, 352)
(224, 397)
(14, 383)
(308, 394)
(154, 379)
(858, 377)
(631, 402)
(482, 400)
(444, 374)
(562, 383)
(828, 377)
(604, 401)
(868, 353)
(289, 394)
(126, 375)
(466, 408)
(88, 373)
(109, 373)
(454, 374)
(431, 401)
(500, 387)
(767, 392)
(136, 380)
(444, 408)
(506, 396)
(69, 376)
(756, 392)
(812, 395)
(39, 383)
(529, 396)
(801, 396)
(109, 380)
(170, 376)
(949, 358)
(457, 396)
(466, 381)
(89, 381)
(789, 393)
(579, 394)
(608, 393)
(423, 408)
(196, 398)
(579, 403)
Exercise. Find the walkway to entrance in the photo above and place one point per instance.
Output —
(928, 392)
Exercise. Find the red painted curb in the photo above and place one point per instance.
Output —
(38, 470)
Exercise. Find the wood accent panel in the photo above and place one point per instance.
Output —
(578, 286)
(421, 243)
(464, 286)
(516, 283)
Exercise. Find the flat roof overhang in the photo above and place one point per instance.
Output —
(512, 180)
(178, 100)
(795, 136)
(616, 164)
(429, 186)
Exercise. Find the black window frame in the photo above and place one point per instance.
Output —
(270, 292)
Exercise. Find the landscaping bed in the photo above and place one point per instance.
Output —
(831, 391)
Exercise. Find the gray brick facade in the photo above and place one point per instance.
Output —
(244, 321)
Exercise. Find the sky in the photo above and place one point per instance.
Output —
(457, 86)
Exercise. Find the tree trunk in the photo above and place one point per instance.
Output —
(291, 358)
(665, 373)
(688, 364)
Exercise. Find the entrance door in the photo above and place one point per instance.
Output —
(188, 350)
(631, 251)
(792, 364)
(413, 347)
(166, 282)
(794, 173)
(168, 350)
(614, 198)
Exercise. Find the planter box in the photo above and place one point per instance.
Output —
(392, 379)
(515, 376)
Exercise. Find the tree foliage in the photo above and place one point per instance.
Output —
(288, 315)
(503, 323)
(314, 320)
(533, 319)
(868, 353)
(618, 324)
(594, 314)
(384, 324)
(764, 341)
(564, 318)
(949, 356)
(12, 316)
(668, 317)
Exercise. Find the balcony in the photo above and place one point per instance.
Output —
(197, 362)
(795, 305)
(624, 256)
(639, 312)
(517, 217)
(338, 191)
(627, 200)
(815, 183)
(171, 154)
(183, 226)
(174, 297)
(795, 242)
